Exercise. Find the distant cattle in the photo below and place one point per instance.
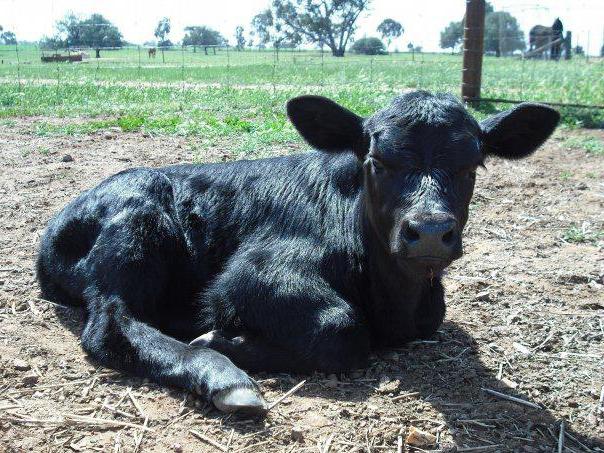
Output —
(152, 52)
(540, 36)
(190, 274)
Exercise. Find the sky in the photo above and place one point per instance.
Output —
(422, 20)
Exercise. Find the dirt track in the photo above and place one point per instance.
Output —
(525, 318)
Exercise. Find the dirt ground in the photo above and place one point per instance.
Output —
(525, 318)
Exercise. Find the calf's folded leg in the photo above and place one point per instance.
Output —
(114, 338)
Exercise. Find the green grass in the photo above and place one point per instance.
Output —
(591, 145)
(582, 235)
(239, 97)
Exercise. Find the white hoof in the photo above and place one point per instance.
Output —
(240, 400)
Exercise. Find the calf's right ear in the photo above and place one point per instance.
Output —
(518, 132)
(326, 125)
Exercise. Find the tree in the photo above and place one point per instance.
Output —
(369, 46)
(202, 36)
(332, 22)
(263, 23)
(502, 33)
(95, 32)
(239, 38)
(451, 36)
(161, 31)
(390, 29)
(8, 37)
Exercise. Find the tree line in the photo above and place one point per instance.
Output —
(285, 24)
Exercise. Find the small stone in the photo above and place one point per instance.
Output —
(108, 136)
(177, 448)
(419, 438)
(67, 158)
(297, 433)
(21, 365)
(484, 296)
(388, 386)
(30, 380)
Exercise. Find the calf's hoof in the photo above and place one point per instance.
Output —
(240, 399)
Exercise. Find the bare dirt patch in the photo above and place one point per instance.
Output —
(525, 318)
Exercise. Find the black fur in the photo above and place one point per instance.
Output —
(299, 263)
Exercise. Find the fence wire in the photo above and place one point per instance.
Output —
(578, 82)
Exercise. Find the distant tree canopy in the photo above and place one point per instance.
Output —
(162, 31)
(451, 36)
(202, 36)
(263, 24)
(7, 37)
(96, 32)
(369, 46)
(326, 22)
(239, 38)
(502, 34)
(390, 29)
(270, 30)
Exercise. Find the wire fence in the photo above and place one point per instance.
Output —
(578, 82)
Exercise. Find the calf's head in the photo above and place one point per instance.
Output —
(419, 158)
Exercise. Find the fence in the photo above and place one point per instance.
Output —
(578, 82)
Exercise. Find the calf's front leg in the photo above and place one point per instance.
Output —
(114, 338)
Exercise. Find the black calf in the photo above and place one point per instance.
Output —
(296, 263)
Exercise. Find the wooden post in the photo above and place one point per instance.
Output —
(568, 45)
(473, 45)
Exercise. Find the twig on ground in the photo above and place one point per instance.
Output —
(480, 448)
(208, 440)
(512, 398)
(136, 403)
(399, 444)
(561, 438)
(115, 410)
(290, 392)
(10, 406)
(327, 445)
(75, 420)
(230, 441)
(403, 396)
(139, 438)
(241, 450)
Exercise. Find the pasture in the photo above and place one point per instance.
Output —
(525, 306)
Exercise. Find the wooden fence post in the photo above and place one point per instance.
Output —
(568, 45)
(473, 45)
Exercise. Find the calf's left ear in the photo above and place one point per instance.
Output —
(518, 132)
(326, 125)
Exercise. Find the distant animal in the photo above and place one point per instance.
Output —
(541, 35)
(152, 52)
(298, 263)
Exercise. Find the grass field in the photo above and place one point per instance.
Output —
(240, 95)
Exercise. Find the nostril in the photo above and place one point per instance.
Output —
(410, 233)
(448, 237)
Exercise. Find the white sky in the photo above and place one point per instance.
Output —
(422, 20)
